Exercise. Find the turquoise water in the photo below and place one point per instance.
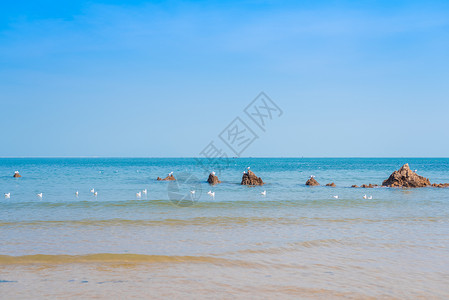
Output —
(393, 245)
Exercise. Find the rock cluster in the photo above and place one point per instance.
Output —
(16, 174)
(312, 182)
(405, 177)
(213, 180)
(168, 178)
(355, 186)
(331, 184)
(249, 178)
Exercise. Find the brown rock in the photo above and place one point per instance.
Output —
(354, 186)
(312, 182)
(249, 178)
(168, 178)
(17, 175)
(331, 184)
(405, 177)
(213, 180)
(368, 186)
(441, 185)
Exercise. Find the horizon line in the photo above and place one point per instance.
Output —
(234, 157)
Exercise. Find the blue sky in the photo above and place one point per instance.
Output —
(164, 78)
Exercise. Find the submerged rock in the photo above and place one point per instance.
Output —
(312, 182)
(168, 178)
(368, 186)
(331, 184)
(405, 177)
(355, 186)
(16, 174)
(213, 180)
(440, 185)
(249, 178)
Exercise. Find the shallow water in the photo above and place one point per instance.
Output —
(296, 241)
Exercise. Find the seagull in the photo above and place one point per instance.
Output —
(144, 191)
(248, 168)
(364, 197)
(370, 197)
(212, 194)
(264, 193)
(16, 172)
(76, 193)
(415, 170)
(39, 195)
(95, 194)
(92, 191)
(139, 194)
(7, 195)
(244, 172)
(170, 174)
(312, 176)
(192, 192)
(336, 196)
(213, 173)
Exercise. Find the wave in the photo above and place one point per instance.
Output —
(108, 258)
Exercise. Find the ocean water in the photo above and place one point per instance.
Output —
(296, 241)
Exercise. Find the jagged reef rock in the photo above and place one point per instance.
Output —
(312, 182)
(249, 178)
(405, 177)
(168, 178)
(331, 184)
(213, 180)
(17, 175)
(355, 186)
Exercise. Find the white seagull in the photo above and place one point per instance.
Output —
(370, 197)
(39, 195)
(144, 191)
(77, 193)
(264, 193)
(139, 194)
(248, 168)
(213, 173)
(92, 191)
(312, 176)
(212, 194)
(7, 195)
(95, 194)
(336, 196)
(244, 172)
(170, 174)
(192, 192)
(364, 197)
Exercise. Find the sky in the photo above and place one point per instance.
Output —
(165, 78)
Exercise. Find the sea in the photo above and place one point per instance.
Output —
(186, 239)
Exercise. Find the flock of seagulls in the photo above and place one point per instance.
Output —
(192, 192)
